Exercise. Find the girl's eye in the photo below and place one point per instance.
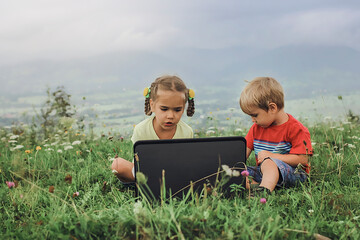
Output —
(163, 109)
(177, 109)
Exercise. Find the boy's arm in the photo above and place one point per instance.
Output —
(291, 159)
(248, 151)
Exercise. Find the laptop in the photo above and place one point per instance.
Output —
(184, 164)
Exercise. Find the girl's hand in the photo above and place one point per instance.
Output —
(264, 154)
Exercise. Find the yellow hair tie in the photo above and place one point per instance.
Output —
(146, 92)
(191, 94)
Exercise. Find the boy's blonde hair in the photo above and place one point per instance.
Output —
(260, 92)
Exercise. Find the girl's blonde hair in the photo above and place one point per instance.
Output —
(169, 83)
(260, 92)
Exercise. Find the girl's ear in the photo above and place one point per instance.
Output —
(152, 105)
(273, 107)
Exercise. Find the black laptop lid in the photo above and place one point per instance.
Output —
(188, 160)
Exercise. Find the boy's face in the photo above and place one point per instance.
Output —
(261, 117)
(168, 108)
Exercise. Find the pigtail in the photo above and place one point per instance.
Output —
(191, 104)
(191, 108)
(147, 107)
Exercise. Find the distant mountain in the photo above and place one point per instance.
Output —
(304, 71)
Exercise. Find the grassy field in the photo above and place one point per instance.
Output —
(62, 188)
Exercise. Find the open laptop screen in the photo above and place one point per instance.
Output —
(196, 160)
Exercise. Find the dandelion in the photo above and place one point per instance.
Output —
(263, 200)
(75, 194)
(141, 178)
(38, 148)
(27, 151)
(77, 142)
(68, 148)
(10, 184)
(245, 173)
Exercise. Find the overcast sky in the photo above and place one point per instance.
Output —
(67, 29)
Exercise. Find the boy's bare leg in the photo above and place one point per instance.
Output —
(123, 169)
(270, 176)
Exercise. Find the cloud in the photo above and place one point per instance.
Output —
(41, 29)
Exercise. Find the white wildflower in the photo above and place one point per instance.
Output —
(351, 145)
(54, 143)
(77, 142)
(49, 149)
(12, 141)
(111, 159)
(3, 139)
(18, 147)
(14, 137)
(68, 148)
(310, 211)
(346, 123)
(227, 170)
(211, 128)
(340, 129)
(59, 151)
(238, 130)
(313, 143)
(209, 132)
(46, 145)
(327, 118)
(235, 173)
(114, 171)
(206, 214)
(138, 208)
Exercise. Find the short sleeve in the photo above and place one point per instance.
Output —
(135, 136)
(300, 141)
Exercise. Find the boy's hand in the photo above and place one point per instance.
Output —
(264, 154)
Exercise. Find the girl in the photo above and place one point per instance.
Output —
(166, 98)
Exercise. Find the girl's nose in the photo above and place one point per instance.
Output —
(170, 114)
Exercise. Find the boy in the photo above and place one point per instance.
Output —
(280, 141)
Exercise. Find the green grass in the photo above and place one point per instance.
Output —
(327, 205)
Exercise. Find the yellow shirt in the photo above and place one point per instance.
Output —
(145, 131)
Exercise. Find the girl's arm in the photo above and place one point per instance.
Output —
(291, 159)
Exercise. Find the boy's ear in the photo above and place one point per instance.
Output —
(273, 107)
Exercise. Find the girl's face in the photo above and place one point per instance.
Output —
(168, 108)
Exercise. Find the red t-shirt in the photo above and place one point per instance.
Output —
(288, 138)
